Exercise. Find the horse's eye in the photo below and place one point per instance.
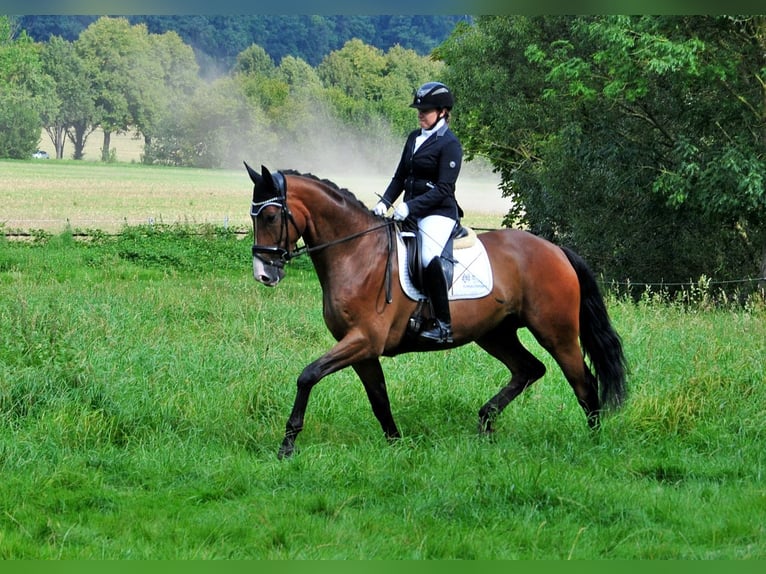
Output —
(270, 218)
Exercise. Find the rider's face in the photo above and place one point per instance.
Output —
(427, 118)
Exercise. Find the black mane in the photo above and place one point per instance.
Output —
(342, 190)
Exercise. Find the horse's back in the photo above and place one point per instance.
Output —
(524, 249)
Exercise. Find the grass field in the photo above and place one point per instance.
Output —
(145, 380)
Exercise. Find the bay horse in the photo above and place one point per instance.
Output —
(536, 285)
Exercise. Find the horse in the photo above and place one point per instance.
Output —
(547, 289)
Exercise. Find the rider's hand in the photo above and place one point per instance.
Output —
(380, 209)
(401, 212)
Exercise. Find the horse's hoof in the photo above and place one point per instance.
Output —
(286, 451)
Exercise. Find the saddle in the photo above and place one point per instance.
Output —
(462, 238)
(466, 267)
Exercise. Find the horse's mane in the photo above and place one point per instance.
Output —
(342, 190)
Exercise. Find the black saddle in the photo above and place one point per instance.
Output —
(411, 238)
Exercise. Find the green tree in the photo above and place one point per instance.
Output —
(216, 127)
(639, 140)
(305, 107)
(355, 70)
(405, 71)
(179, 81)
(25, 92)
(19, 125)
(75, 105)
(125, 77)
(371, 89)
(257, 75)
(254, 61)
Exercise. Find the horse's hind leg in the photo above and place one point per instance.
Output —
(504, 345)
(564, 347)
(569, 357)
(371, 375)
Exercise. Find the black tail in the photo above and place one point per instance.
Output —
(600, 342)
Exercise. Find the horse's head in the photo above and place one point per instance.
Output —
(272, 244)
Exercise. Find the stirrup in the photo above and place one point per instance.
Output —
(439, 333)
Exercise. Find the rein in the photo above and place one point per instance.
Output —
(389, 224)
(285, 254)
(305, 249)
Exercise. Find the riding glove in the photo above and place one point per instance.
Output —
(380, 209)
(401, 212)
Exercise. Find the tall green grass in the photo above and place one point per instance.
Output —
(145, 381)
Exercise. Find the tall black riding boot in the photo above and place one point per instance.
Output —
(436, 289)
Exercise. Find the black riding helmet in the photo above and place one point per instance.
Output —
(432, 95)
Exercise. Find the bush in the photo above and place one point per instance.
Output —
(19, 126)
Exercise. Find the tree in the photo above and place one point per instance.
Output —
(405, 71)
(25, 92)
(371, 89)
(123, 72)
(19, 126)
(355, 69)
(75, 105)
(178, 82)
(216, 127)
(638, 140)
(690, 91)
(254, 61)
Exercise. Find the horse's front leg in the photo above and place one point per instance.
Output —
(351, 349)
(295, 421)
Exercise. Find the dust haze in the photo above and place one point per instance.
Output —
(365, 164)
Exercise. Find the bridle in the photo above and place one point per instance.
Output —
(279, 255)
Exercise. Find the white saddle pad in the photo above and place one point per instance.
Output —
(471, 279)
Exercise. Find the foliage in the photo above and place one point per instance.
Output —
(75, 104)
(210, 129)
(370, 88)
(145, 380)
(19, 125)
(218, 40)
(652, 124)
(24, 93)
(637, 140)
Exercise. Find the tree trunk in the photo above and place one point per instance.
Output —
(58, 139)
(78, 135)
(105, 148)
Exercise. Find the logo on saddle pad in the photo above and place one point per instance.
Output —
(471, 277)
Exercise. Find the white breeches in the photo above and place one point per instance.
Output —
(434, 231)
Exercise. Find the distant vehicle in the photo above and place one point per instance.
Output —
(40, 154)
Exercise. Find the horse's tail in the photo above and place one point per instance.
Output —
(600, 342)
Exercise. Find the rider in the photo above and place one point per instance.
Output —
(427, 172)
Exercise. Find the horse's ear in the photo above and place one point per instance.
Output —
(254, 175)
(266, 173)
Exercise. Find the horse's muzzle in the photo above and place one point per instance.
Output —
(267, 273)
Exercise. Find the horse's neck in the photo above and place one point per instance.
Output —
(330, 216)
(342, 251)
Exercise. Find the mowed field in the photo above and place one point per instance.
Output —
(53, 195)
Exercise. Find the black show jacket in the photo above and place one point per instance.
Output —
(428, 176)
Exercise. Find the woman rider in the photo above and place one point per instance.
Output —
(427, 172)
